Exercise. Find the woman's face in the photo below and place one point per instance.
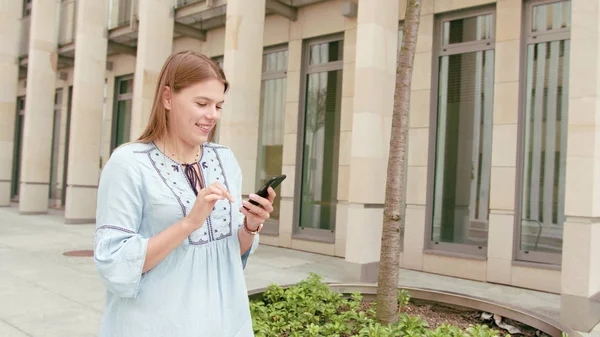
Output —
(194, 111)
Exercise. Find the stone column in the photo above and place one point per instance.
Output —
(155, 43)
(10, 28)
(290, 135)
(243, 63)
(39, 113)
(580, 307)
(346, 116)
(86, 119)
(374, 82)
(504, 144)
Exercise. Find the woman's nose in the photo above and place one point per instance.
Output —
(213, 113)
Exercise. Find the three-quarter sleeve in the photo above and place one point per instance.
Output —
(119, 249)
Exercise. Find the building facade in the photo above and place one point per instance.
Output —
(502, 174)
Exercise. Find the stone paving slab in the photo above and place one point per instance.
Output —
(7, 330)
(44, 293)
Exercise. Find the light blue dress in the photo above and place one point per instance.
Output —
(197, 290)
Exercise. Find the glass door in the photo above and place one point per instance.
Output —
(463, 134)
(17, 145)
(269, 161)
(63, 191)
(54, 188)
(319, 139)
(219, 60)
(544, 124)
(121, 124)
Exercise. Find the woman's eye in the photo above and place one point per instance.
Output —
(201, 104)
(219, 107)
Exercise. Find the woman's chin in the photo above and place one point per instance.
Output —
(199, 139)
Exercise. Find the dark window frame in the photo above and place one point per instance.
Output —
(551, 260)
(439, 50)
(312, 234)
(27, 8)
(271, 227)
(118, 97)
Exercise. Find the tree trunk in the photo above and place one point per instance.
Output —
(395, 191)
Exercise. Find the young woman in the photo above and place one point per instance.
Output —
(173, 234)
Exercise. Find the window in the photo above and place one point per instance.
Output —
(400, 36)
(27, 8)
(54, 187)
(271, 125)
(319, 135)
(121, 124)
(543, 132)
(65, 171)
(181, 3)
(68, 22)
(219, 61)
(105, 125)
(124, 13)
(463, 133)
(17, 147)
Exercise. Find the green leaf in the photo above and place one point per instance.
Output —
(311, 309)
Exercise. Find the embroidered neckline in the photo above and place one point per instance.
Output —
(219, 225)
(199, 157)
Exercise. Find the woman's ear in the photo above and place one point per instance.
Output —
(167, 98)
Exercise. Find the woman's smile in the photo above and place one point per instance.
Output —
(204, 128)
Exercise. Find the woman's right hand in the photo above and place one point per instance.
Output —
(205, 202)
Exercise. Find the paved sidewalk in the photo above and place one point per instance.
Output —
(44, 293)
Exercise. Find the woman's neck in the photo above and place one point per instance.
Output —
(179, 150)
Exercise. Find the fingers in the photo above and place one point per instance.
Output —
(225, 192)
(267, 204)
(263, 213)
(212, 197)
(218, 191)
(272, 194)
(255, 218)
(212, 193)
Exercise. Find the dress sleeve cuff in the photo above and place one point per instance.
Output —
(120, 258)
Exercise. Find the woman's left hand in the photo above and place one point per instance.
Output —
(256, 215)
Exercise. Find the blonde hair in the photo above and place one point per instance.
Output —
(181, 70)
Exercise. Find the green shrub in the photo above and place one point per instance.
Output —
(311, 309)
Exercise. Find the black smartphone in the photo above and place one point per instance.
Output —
(273, 182)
